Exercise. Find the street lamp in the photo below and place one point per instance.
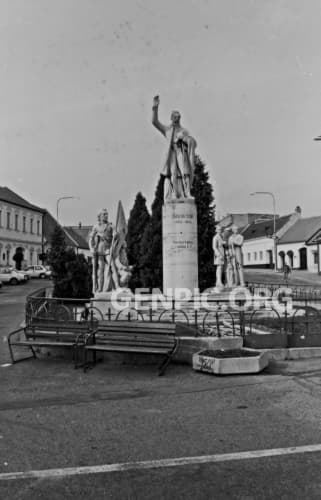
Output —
(274, 222)
(64, 198)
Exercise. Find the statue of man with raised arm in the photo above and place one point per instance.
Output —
(179, 164)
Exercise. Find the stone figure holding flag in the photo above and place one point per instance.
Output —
(108, 246)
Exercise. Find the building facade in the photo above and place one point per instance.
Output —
(21, 229)
(296, 242)
(299, 247)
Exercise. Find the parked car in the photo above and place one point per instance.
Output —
(23, 273)
(38, 271)
(11, 276)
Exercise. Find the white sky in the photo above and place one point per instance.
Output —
(78, 78)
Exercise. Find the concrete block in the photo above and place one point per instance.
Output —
(189, 346)
(232, 365)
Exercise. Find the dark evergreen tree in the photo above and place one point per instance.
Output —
(70, 272)
(151, 269)
(138, 220)
(18, 258)
(203, 192)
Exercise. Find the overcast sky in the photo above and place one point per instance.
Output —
(78, 78)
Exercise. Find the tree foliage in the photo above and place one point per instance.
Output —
(151, 272)
(70, 271)
(203, 193)
(139, 219)
(18, 258)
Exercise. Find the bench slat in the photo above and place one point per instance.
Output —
(135, 342)
(142, 349)
(132, 331)
(41, 343)
(140, 325)
(130, 335)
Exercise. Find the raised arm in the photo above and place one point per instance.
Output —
(155, 120)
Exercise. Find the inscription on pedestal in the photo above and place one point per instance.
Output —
(180, 266)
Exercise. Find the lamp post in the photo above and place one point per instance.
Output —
(274, 222)
(64, 198)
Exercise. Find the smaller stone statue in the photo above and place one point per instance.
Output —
(100, 242)
(235, 243)
(108, 246)
(219, 256)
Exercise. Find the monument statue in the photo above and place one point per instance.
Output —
(179, 166)
(108, 247)
(100, 241)
(235, 243)
(219, 256)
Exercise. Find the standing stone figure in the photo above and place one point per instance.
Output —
(229, 270)
(179, 164)
(219, 256)
(108, 246)
(235, 243)
(100, 242)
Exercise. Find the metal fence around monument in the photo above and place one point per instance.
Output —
(297, 314)
(298, 292)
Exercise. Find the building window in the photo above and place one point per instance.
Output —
(255, 255)
(31, 226)
(0, 218)
(8, 220)
(16, 222)
(24, 224)
(249, 257)
(38, 227)
(261, 255)
(315, 257)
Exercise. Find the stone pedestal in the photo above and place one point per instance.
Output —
(180, 264)
(111, 304)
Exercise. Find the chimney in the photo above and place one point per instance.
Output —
(79, 225)
(298, 210)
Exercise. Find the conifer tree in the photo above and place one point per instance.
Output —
(151, 272)
(138, 220)
(70, 271)
(203, 193)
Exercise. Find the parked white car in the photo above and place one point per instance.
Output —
(19, 271)
(37, 271)
(9, 275)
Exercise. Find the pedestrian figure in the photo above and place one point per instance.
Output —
(286, 271)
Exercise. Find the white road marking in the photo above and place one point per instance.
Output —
(5, 365)
(156, 464)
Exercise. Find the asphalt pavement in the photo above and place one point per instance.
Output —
(121, 432)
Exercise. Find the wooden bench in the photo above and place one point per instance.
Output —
(52, 333)
(137, 337)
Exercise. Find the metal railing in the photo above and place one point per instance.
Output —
(290, 315)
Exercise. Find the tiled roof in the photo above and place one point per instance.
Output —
(10, 196)
(302, 230)
(79, 235)
(265, 228)
(49, 225)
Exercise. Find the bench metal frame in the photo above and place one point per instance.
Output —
(133, 337)
(49, 335)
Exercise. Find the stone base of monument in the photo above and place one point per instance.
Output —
(230, 362)
(180, 257)
(113, 304)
